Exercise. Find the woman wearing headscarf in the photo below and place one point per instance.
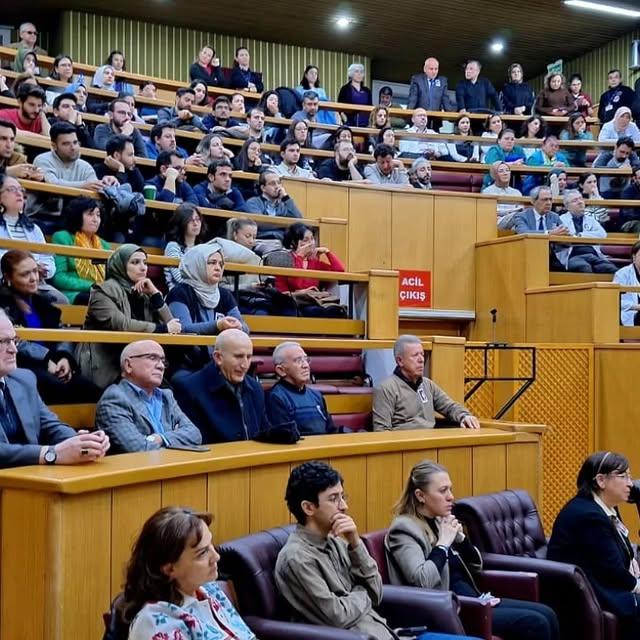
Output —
(26, 61)
(105, 79)
(126, 301)
(622, 126)
(199, 303)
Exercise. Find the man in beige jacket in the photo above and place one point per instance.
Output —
(408, 400)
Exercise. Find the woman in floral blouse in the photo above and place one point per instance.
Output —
(170, 591)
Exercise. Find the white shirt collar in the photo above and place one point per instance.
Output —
(608, 510)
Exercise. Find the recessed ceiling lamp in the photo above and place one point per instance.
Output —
(621, 12)
(496, 46)
(343, 22)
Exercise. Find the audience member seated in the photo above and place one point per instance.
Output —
(81, 95)
(589, 533)
(493, 127)
(211, 148)
(584, 103)
(148, 90)
(409, 400)
(63, 166)
(310, 81)
(463, 151)
(290, 399)
(116, 60)
(120, 163)
(200, 89)
(126, 301)
(29, 116)
(181, 116)
(54, 366)
(533, 128)
(379, 120)
(171, 182)
(612, 187)
(221, 119)
(420, 174)
(242, 76)
(385, 170)
(64, 110)
(300, 132)
(162, 137)
(74, 277)
(555, 99)
(517, 95)
(324, 571)
(253, 128)
(173, 589)
(630, 301)
(62, 71)
(588, 186)
(312, 300)
(290, 155)
(631, 192)
(388, 136)
(616, 96)
(500, 174)
(218, 192)
(272, 201)
(309, 113)
(385, 99)
(136, 413)
(426, 547)
(576, 129)
(12, 162)
(16, 224)
(505, 151)
(206, 68)
(200, 304)
(548, 155)
(557, 180)
(250, 158)
(30, 433)
(27, 61)
(583, 258)
(270, 105)
(355, 92)
(226, 403)
(130, 99)
(475, 94)
(120, 123)
(621, 126)
(429, 90)
(185, 230)
(104, 79)
(20, 80)
(237, 103)
(28, 39)
(343, 166)
(421, 147)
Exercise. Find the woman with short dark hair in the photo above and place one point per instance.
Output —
(170, 588)
(589, 533)
(517, 95)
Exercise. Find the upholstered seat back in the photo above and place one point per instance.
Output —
(506, 522)
(374, 542)
(251, 562)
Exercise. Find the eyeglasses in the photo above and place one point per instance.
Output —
(14, 190)
(32, 33)
(153, 357)
(626, 475)
(5, 342)
(301, 359)
(338, 498)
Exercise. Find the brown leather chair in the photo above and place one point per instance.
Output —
(250, 563)
(474, 614)
(506, 527)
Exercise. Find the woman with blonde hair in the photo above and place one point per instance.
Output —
(426, 547)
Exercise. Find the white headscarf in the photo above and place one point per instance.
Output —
(193, 268)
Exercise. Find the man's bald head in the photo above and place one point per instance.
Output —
(142, 363)
(232, 353)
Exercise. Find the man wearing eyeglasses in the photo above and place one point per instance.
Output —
(29, 432)
(291, 399)
(136, 413)
(28, 38)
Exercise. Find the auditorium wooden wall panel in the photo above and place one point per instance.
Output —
(524, 468)
(230, 503)
(334, 236)
(411, 232)
(185, 492)
(267, 483)
(459, 465)
(382, 305)
(354, 473)
(446, 365)
(384, 485)
(297, 189)
(411, 458)
(167, 51)
(489, 469)
(369, 235)
(326, 200)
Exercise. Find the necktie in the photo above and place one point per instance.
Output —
(3, 401)
(541, 224)
(7, 420)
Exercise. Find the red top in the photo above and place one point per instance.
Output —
(13, 115)
(295, 284)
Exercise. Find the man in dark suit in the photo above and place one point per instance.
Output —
(29, 432)
(429, 90)
(138, 415)
(221, 399)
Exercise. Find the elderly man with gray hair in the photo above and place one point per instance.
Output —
(291, 399)
(583, 258)
(138, 415)
(408, 400)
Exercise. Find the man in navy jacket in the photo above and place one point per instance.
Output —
(220, 399)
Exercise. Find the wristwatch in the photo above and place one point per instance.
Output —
(50, 455)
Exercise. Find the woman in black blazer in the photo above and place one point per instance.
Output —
(588, 532)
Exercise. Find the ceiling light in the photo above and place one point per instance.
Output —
(621, 12)
(497, 46)
(343, 23)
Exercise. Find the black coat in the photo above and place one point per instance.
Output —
(215, 79)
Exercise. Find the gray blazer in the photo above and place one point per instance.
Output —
(122, 414)
(525, 221)
(436, 99)
(40, 426)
